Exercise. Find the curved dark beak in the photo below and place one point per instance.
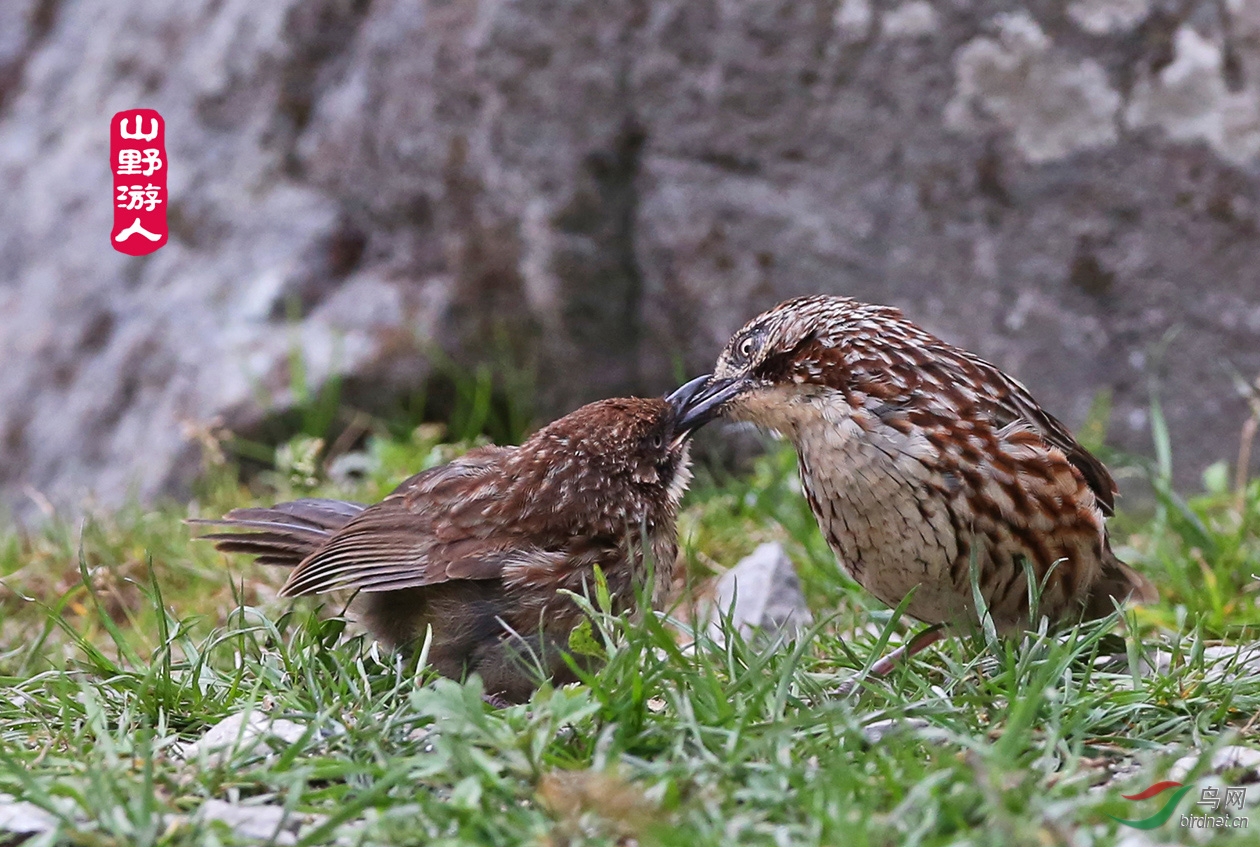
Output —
(702, 399)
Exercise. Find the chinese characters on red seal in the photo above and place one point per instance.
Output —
(137, 149)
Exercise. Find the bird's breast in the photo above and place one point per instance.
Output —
(877, 500)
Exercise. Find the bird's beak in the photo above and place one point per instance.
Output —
(702, 399)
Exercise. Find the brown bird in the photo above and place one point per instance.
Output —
(479, 549)
(919, 458)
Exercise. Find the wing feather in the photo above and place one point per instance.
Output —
(423, 533)
(1009, 401)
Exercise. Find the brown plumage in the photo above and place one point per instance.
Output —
(479, 549)
(917, 456)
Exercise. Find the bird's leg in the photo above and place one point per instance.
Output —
(920, 642)
(884, 666)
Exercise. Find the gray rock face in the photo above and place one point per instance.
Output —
(604, 191)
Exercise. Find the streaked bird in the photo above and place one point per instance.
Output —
(918, 459)
(480, 549)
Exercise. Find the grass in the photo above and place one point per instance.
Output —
(123, 640)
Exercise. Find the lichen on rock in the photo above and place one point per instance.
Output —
(911, 19)
(1189, 100)
(1052, 103)
(1103, 17)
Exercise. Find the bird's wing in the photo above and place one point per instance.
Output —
(1008, 401)
(1002, 397)
(283, 534)
(382, 552)
(436, 483)
(431, 529)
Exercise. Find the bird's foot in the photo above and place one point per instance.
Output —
(497, 701)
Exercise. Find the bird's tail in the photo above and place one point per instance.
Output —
(283, 534)
(1118, 581)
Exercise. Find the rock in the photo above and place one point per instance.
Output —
(877, 731)
(273, 824)
(1237, 760)
(1219, 660)
(18, 817)
(240, 733)
(761, 593)
(599, 191)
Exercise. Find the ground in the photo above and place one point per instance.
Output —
(124, 641)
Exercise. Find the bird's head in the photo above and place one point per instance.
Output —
(797, 343)
(628, 451)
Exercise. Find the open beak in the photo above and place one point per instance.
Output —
(702, 399)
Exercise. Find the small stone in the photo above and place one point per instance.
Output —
(762, 593)
(1219, 661)
(879, 730)
(261, 823)
(1231, 758)
(241, 732)
(22, 818)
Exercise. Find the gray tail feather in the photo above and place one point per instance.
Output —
(283, 534)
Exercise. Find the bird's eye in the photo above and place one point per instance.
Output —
(746, 347)
(658, 441)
